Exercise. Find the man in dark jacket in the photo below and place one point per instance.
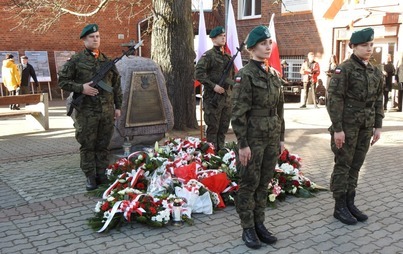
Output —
(27, 71)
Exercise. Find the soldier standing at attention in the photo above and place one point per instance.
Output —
(94, 121)
(209, 70)
(258, 123)
(355, 108)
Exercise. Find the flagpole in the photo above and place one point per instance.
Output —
(226, 14)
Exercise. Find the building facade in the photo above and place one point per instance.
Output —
(320, 26)
(323, 27)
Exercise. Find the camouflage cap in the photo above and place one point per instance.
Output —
(362, 36)
(88, 29)
(257, 34)
(216, 31)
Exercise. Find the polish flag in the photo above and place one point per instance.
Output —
(202, 38)
(232, 38)
(274, 59)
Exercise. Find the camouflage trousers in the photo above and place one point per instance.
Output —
(349, 159)
(94, 131)
(217, 121)
(251, 198)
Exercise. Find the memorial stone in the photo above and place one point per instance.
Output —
(146, 110)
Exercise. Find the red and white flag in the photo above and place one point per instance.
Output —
(232, 37)
(274, 59)
(202, 38)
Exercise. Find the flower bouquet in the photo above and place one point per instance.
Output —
(145, 185)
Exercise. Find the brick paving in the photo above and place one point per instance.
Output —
(44, 206)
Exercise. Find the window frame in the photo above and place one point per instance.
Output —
(241, 10)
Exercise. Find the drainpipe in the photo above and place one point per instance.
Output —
(139, 30)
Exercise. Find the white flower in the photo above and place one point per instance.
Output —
(287, 168)
(110, 199)
(98, 207)
(140, 157)
(294, 190)
(107, 214)
(122, 180)
(272, 197)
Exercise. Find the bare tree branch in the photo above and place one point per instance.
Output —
(97, 9)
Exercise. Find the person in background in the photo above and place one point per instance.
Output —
(94, 122)
(27, 71)
(258, 123)
(284, 66)
(310, 71)
(333, 63)
(355, 109)
(11, 78)
(209, 70)
(388, 72)
(399, 80)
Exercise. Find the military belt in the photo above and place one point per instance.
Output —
(360, 104)
(263, 112)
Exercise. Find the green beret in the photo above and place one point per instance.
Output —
(216, 31)
(362, 36)
(88, 29)
(257, 34)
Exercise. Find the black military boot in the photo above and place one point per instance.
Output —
(91, 183)
(342, 213)
(360, 216)
(101, 178)
(264, 235)
(250, 238)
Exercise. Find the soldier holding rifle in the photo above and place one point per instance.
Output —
(209, 71)
(99, 107)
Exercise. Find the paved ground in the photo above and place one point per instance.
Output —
(44, 208)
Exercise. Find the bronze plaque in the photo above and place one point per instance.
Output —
(145, 102)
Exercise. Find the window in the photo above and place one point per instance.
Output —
(294, 66)
(250, 9)
(207, 5)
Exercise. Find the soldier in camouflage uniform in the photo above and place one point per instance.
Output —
(209, 70)
(355, 108)
(258, 123)
(94, 121)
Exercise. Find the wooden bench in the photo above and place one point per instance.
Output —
(37, 112)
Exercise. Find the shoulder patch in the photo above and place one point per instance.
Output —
(238, 79)
(337, 71)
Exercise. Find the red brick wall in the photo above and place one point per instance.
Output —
(65, 35)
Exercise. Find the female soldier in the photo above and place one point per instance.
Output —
(257, 120)
(355, 108)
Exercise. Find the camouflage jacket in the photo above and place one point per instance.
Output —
(209, 70)
(258, 104)
(80, 69)
(355, 95)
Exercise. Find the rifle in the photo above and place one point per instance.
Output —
(97, 81)
(217, 96)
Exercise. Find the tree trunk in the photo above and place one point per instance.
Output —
(172, 48)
